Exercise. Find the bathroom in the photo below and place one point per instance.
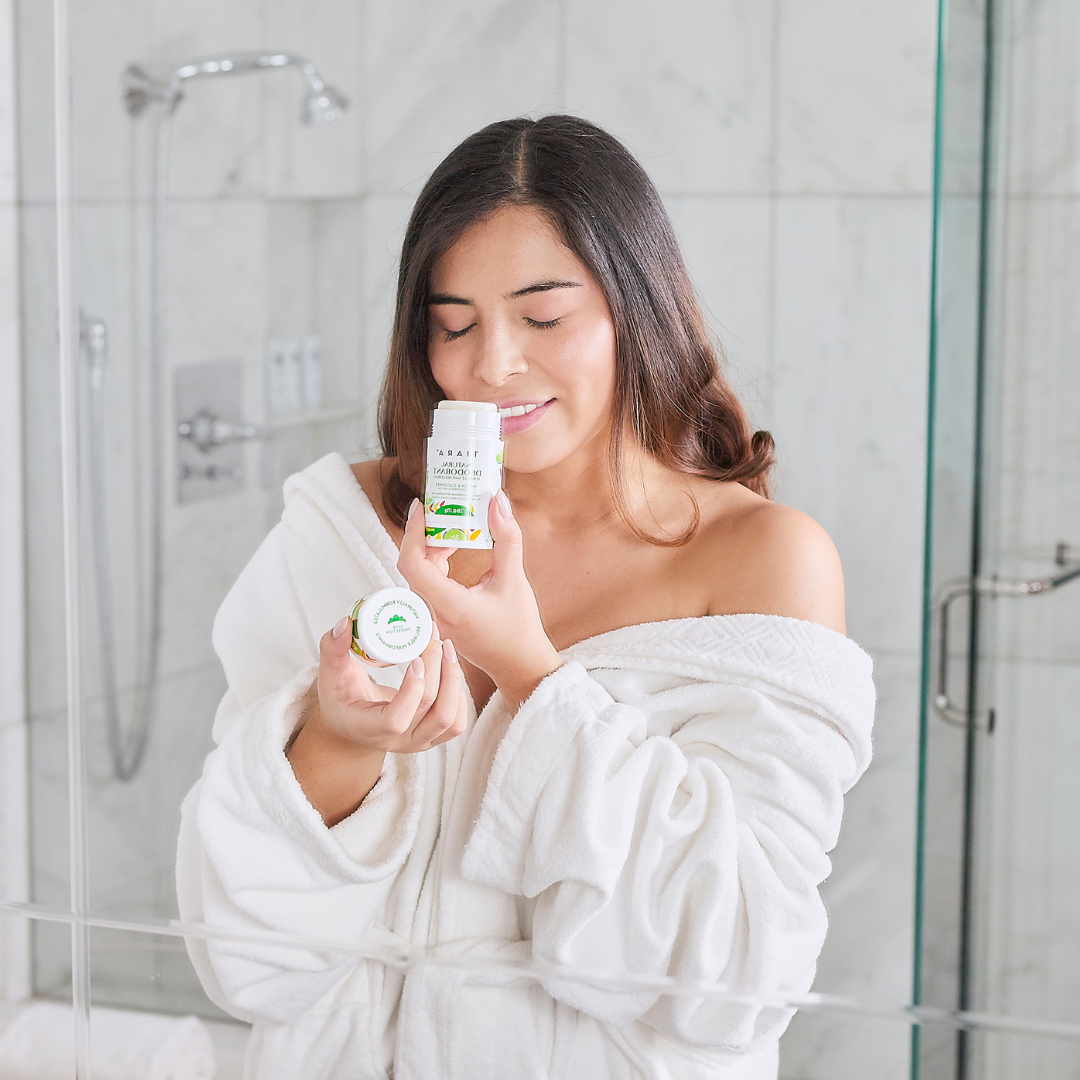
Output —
(877, 206)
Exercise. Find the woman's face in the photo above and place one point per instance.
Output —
(516, 318)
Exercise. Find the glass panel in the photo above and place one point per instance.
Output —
(955, 378)
(1000, 785)
(1026, 921)
(46, 673)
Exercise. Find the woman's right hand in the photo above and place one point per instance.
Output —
(351, 722)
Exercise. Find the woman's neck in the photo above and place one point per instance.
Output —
(578, 494)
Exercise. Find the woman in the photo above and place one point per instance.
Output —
(669, 713)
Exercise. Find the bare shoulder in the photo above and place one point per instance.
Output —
(371, 476)
(771, 559)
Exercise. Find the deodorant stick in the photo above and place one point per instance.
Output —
(390, 626)
(464, 473)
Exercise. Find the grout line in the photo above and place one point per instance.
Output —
(259, 201)
(772, 237)
(561, 41)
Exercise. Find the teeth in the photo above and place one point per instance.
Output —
(517, 410)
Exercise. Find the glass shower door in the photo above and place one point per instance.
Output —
(1000, 853)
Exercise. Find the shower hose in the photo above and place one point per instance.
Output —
(127, 743)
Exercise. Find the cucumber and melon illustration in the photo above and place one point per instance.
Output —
(433, 533)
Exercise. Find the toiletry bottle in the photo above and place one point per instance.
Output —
(464, 473)
(390, 626)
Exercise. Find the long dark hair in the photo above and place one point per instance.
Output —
(668, 386)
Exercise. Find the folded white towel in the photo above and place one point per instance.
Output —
(40, 1045)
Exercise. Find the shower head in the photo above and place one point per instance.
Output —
(321, 104)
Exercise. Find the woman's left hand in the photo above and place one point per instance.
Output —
(495, 624)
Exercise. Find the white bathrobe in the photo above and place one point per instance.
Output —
(661, 805)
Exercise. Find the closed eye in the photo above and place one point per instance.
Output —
(543, 325)
(453, 335)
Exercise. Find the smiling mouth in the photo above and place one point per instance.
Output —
(519, 410)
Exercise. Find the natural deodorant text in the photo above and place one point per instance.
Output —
(464, 473)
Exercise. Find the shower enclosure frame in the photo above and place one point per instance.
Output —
(961, 584)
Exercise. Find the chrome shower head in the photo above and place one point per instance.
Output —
(321, 104)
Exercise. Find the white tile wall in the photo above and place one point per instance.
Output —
(726, 244)
(437, 70)
(856, 96)
(690, 93)
(1044, 125)
(847, 394)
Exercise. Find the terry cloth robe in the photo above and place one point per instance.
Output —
(661, 805)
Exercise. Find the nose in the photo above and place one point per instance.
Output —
(499, 357)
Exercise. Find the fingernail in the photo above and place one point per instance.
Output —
(449, 651)
(503, 504)
(417, 667)
(412, 508)
(341, 626)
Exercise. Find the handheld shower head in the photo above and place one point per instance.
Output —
(321, 104)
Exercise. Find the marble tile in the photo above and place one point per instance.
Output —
(725, 243)
(51, 950)
(436, 72)
(15, 984)
(217, 280)
(689, 93)
(328, 160)
(8, 104)
(337, 287)
(870, 899)
(112, 151)
(217, 138)
(836, 1044)
(133, 826)
(49, 860)
(43, 521)
(385, 220)
(848, 395)
(14, 853)
(855, 109)
(1042, 118)
(1036, 477)
(148, 972)
(1029, 850)
(289, 269)
(34, 89)
(12, 645)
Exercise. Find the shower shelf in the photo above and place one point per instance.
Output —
(351, 411)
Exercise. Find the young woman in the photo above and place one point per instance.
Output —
(626, 748)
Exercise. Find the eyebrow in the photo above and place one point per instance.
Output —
(536, 287)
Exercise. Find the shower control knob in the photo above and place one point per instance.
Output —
(209, 431)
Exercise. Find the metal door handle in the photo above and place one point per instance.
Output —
(946, 708)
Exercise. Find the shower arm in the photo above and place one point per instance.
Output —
(951, 591)
(140, 89)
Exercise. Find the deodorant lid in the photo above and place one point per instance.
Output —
(390, 626)
(469, 419)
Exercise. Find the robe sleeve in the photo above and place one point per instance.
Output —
(696, 853)
(253, 854)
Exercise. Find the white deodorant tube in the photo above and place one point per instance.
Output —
(464, 473)
(390, 626)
